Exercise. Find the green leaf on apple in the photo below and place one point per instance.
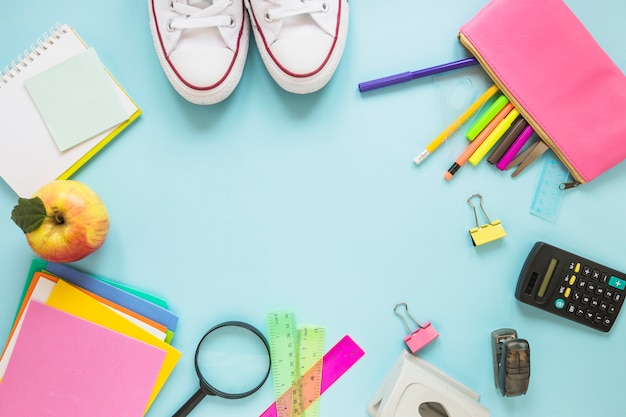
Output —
(29, 213)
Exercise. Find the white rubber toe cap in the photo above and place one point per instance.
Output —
(202, 68)
(302, 55)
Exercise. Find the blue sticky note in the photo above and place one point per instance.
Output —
(77, 99)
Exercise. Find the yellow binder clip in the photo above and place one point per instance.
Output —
(487, 232)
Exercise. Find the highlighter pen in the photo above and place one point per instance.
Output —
(493, 137)
(412, 75)
(515, 148)
(486, 117)
(443, 136)
(507, 140)
(462, 159)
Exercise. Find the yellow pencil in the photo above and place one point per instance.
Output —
(491, 91)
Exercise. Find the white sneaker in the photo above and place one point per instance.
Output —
(202, 45)
(300, 41)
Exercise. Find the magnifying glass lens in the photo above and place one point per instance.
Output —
(233, 360)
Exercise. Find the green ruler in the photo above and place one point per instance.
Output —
(306, 392)
(294, 353)
(283, 340)
(548, 194)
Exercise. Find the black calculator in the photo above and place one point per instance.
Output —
(571, 286)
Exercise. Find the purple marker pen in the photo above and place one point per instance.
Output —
(411, 75)
(515, 148)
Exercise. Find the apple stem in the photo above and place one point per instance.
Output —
(58, 216)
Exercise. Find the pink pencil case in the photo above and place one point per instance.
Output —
(566, 87)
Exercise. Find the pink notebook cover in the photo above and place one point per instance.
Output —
(63, 366)
(558, 76)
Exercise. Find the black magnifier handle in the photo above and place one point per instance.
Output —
(190, 404)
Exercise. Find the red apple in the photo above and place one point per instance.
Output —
(63, 222)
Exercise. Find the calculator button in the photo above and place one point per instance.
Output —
(585, 299)
(617, 297)
(595, 274)
(600, 291)
(586, 271)
(608, 293)
(611, 309)
(559, 303)
(604, 306)
(580, 311)
(607, 321)
(577, 267)
(582, 283)
(598, 318)
(572, 279)
(567, 292)
(577, 296)
(595, 303)
(591, 287)
(618, 283)
(604, 278)
(589, 315)
(571, 308)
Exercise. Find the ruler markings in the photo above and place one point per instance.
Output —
(548, 194)
(282, 332)
(308, 371)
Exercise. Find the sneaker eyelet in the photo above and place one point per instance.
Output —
(171, 5)
(268, 17)
(231, 23)
(324, 7)
(169, 27)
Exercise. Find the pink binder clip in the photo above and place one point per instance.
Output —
(423, 335)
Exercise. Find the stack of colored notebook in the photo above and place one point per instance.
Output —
(85, 346)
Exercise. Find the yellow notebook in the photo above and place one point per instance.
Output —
(30, 154)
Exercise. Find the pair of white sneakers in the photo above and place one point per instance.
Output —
(202, 44)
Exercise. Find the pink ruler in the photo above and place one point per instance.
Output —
(335, 363)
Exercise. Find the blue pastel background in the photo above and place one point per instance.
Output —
(270, 200)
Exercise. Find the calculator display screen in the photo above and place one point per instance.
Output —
(547, 277)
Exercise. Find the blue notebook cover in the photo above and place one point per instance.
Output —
(117, 295)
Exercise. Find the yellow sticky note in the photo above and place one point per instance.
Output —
(70, 299)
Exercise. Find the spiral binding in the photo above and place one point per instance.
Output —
(25, 58)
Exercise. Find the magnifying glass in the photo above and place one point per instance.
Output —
(232, 361)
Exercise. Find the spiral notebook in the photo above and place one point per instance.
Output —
(30, 153)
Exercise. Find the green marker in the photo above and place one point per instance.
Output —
(486, 117)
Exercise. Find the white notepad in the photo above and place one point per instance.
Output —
(29, 155)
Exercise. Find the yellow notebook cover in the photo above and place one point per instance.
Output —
(29, 155)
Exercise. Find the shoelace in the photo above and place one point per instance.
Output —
(290, 8)
(196, 17)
